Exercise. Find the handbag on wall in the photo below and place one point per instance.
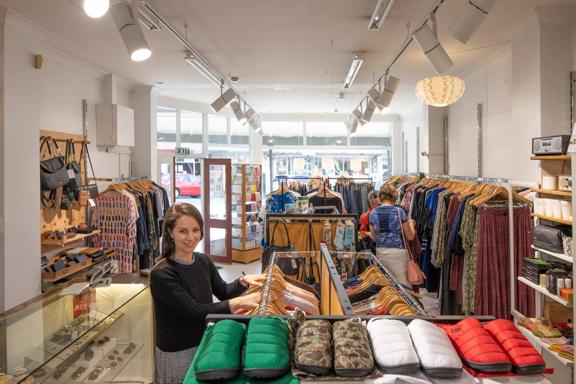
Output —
(288, 265)
(53, 172)
(93, 187)
(414, 274)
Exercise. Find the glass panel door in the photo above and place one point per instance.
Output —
(217, 209)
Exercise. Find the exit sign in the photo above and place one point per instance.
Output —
(183, 151)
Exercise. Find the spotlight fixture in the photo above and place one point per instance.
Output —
(435, 53)
(206, 72)
(380, 12)
(235, 105)
(249, 114)
(353, 71)
(357, 114)
(373, 94)
(131, 33)
(352, 124)
(95, 8)
(368, 112)
(469, 19)
(223, 100)
(390, 86)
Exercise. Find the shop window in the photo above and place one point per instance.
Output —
(166, 128)
(217, 129)
(324, 133)
(190, 128)
(373, 134)
(283, 133)
(239, 134)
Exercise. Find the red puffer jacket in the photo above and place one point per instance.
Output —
(476, 347)
(525, 359)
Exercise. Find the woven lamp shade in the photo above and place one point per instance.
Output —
(440, 91)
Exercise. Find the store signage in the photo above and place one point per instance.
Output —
(183, 151)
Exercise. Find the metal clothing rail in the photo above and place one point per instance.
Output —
(511, 249)
(119, 179)
(410, 300)
(266, 288)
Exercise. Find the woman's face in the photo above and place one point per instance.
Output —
(186, 234)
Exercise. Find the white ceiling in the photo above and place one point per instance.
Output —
(291, 56)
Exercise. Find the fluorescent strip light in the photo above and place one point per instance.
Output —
(381, 10)
(223, 100)
(148, 19)
(353, 71)
(190, 59)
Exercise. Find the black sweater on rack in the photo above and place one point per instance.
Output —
(182, 296)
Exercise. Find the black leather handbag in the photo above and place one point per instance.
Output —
(549, 238)
(288, 265)
(53, 172)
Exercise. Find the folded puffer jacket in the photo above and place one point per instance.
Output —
(525, 358)
(392, 346)
(352, 352)
(219, 354)
(438, 357)
(266, 355)
(477, 347)
(313, 349)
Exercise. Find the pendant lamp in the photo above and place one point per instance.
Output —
(440, 91)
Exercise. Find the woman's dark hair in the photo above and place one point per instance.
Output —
(175, 212)
(388, 192)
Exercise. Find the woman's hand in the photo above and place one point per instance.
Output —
(244, 302)
(252, 280)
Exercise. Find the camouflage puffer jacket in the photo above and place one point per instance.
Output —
(313, 351)
(352, 353)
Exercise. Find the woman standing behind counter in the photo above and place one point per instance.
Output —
(182, 285)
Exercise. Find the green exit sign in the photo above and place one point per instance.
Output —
(183, 151)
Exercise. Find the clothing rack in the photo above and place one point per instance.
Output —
(506, 185)
(119, 179)
(267, 282)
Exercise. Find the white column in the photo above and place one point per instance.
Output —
(255, 144)
(397, 146)
(145, 149)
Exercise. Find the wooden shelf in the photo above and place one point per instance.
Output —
(62, 242)
(544, 217)
(545, 292)
(552, 192)
(551, 157)
(52, 277)
(539, 345)
(560, 256)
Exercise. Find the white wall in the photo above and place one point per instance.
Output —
(38, 99)
(416, 118)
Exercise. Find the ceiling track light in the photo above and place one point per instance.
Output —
(339, 102)
(353, 71)
(223, 100)
(368, 112)
(235, 105)
(390, 86)
(95, 8)
(147, 19)
(249, 114)
(380, 12)
(130, 32)
(469, 19)
(431, 47)
(352, 125)
(206, 72)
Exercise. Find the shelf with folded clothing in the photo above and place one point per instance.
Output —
(544, 291)
(549, 218)
(560, 256)
(539, 344)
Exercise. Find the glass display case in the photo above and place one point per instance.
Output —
(246, 203)
(102, 335)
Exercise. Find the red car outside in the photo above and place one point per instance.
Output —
(186, 184)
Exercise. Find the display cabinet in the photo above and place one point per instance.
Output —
(246, 203)
(102, 335)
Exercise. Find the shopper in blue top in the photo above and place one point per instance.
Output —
(386, 224)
